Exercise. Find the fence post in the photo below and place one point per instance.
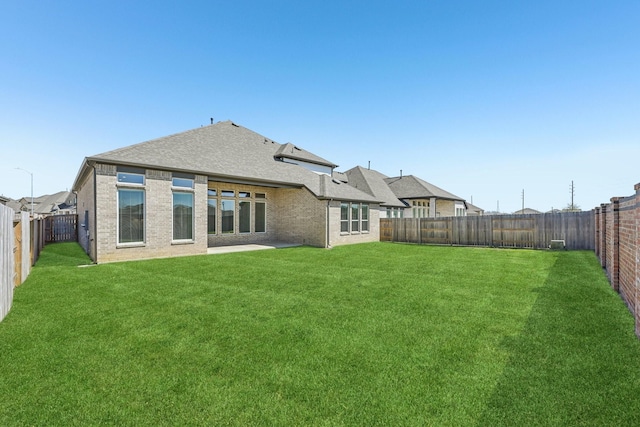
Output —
(637, 269)
(614, 268)
(596, 217)
(604, 219)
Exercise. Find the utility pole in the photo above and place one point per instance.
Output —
(573, 192)
(523, 200)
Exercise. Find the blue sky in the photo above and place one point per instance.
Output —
(483, 99)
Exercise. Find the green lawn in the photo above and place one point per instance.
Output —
(372, 334)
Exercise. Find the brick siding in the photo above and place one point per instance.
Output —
(293, 215)
(618, 247)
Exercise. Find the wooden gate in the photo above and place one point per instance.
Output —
(61, 228)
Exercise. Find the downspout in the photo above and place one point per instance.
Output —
(93, 242)
(328, 242)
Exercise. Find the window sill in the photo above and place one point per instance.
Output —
(131, 245)
(182, 242)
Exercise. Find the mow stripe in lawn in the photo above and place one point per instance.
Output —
(370, 334)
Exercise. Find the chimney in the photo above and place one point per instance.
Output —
(400, 173)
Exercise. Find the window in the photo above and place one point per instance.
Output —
(228, 193)
(211, 217)
(131, 178)
(260, 220)
(212, 193)
(227, 209)
(244, 194)
(182, 182)
(261, 196)
(182, 216)
(365, 217)
(355, 217)
(244, 217)
(130, 215)
(344, 217)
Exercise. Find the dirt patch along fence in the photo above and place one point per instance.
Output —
(576, 229)
(618, 247)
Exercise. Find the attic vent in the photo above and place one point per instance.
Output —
(233, 124)
(336, 181)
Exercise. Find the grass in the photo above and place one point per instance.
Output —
(370, 334)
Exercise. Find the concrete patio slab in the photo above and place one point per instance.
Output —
(252, 247)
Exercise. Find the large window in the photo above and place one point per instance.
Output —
(233, 211)
(260, 220)
(227, 211)
(354, 217)
(244, 217)
(130, 215)
(182, 216)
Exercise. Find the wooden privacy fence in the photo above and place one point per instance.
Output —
(7, 260)
(577, 229)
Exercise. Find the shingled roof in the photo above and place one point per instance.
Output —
(290, 151)
(226, 151)
(373, 182)
(412, 187)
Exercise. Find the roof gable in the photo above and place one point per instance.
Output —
(290, 151)
(372, 182)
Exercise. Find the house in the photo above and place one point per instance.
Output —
(473, 210)
(425, 199)
(407, 196)
(527, 211)
(216, 185)
(60, 203)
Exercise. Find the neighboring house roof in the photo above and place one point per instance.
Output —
(474, 209)
(526, 211)
(228, 152)
(373, 182)
(412, 187)
(44, 205)
(52, 203)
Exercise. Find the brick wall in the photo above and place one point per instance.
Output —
(293, 215)
(158, 222)
(618, 247)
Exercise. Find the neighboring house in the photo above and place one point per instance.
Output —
(10, 203)
(221, 184)
(373, 182)
(425, 200)
(60, 203)
(474, 210)
(527, 211)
